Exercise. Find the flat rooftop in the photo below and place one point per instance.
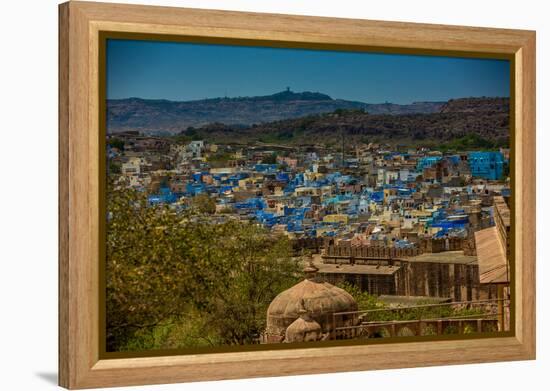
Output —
(453, 257)
(332, 268)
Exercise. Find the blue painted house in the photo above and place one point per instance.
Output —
(192, 189)
(488, 165)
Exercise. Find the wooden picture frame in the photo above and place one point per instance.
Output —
(80, 24)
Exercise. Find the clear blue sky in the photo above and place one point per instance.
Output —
(183, 71)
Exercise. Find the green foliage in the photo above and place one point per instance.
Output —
(469, 329)
(203, 203)
(219, 159)
(181, 280)
(226, 210)
(189, 134)
(140, 251)
(192, 133)
(190, 330)
(472, 141)
(502, 142)
(433, 312)
(305, 123)
(116, 143)
(284, 135)
(429, 330)
(270, 159)
(365, 301)
(385, 313)
(488, 118)
(114, 167)
(343, 112)
(180, 138)
(258, 267)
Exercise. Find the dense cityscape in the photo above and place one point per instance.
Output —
(408, 226)
(369, 198)
(364, 193)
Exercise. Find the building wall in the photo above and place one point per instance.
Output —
(488, 165)
(374, 284)
(459, 282)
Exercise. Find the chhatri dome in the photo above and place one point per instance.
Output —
(303, 329)
(309, 300)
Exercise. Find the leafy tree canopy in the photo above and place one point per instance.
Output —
(182, 279)
(116, 143)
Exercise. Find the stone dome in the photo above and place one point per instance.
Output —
(319, 299)
(303, 329)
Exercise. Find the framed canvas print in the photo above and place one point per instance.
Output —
(247, 195)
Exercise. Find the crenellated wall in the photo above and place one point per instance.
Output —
(375, 252)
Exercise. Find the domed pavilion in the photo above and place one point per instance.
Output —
(303, 329)
(306, 305)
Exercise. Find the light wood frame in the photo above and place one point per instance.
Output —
(79, 25)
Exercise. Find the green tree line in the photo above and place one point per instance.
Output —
(177, 280)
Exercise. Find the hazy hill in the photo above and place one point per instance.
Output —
(171, 116)
(485, 119)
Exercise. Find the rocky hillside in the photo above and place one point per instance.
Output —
(476, 105)
(486, 119)
(173, 117)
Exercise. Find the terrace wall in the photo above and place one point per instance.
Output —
(458, 281)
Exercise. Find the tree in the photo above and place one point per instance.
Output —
(113, 167)
(203, 203)
(191, 132)
(364, 300)
(258, 267)
(170, 273)
(270, 159)
(146, 280)
(116, 143)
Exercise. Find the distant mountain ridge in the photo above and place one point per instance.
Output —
(157, 115)
(471, 121)
(476, 105)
